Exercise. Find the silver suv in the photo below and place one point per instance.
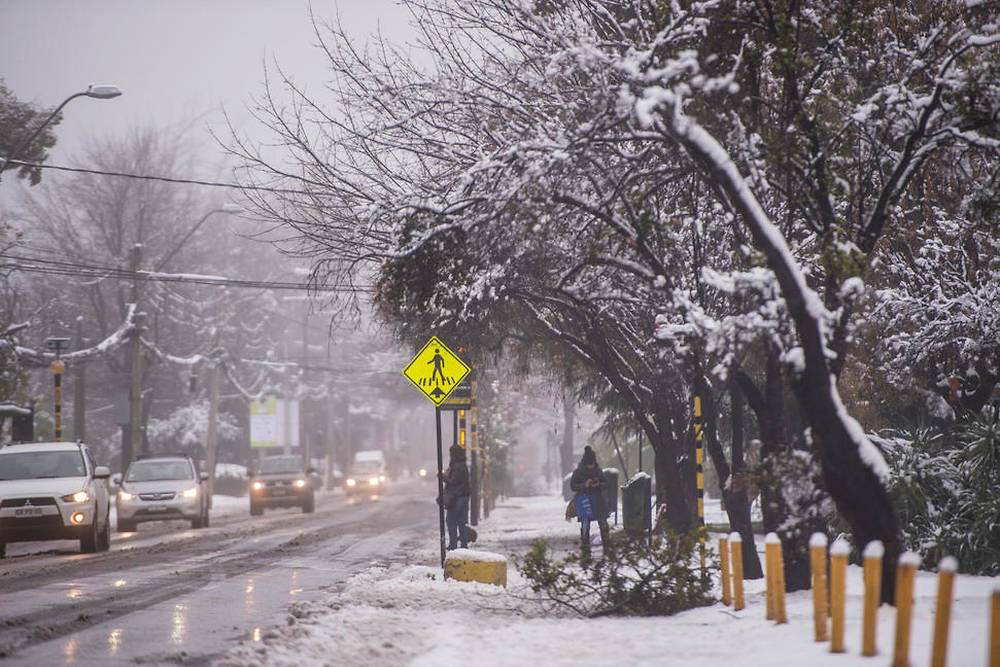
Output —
(53, 491)
(162, 487)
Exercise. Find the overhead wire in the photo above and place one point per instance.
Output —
(167, 179)
(80, 270)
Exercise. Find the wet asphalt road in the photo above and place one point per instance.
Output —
(168, 594)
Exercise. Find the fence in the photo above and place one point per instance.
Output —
(829, 595)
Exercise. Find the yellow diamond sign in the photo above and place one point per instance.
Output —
(435, 370)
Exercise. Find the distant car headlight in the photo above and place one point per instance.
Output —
(257, 486)
(351, 482)
(78, 497)
(381, 478)
(373, 481)
(125, 495)
(422, 472)
(300, 483)
(190, 493)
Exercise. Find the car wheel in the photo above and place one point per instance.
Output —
(255, 509)
(309, 506)
(88, 543)
(125, 526)
(104, 537)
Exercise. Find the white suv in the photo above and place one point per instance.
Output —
(159, 487)
(53, 491)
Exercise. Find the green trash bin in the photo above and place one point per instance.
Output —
(637, 510)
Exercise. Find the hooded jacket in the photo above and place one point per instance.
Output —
(456, 478)
(578, 481)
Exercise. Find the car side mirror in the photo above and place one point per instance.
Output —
(102, 472)
(203, 476)
(116, 479)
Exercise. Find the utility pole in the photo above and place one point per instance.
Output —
(135, 395)
(79, 388)
(57, 345)
(212, 438)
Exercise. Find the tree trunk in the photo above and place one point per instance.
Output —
(673, 504)
(569, 423)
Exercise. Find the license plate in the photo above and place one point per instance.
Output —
(278, 492)
(28, 511)
(157, 508)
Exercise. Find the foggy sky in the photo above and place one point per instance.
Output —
(176, 61)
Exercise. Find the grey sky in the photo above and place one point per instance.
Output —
(176, 60)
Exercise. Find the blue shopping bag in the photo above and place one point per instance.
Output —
(585, 506)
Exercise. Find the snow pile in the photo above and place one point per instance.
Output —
(407, 614)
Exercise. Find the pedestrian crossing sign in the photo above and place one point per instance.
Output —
(436, 370)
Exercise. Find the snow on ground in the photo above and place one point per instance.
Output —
(406, 614)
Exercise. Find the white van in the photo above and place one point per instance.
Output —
(367, 474)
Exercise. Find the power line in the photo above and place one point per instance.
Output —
(79, 270)
(167, 179)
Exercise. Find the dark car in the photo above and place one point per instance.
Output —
(281, 481)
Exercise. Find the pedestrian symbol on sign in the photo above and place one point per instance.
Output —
(436, 371)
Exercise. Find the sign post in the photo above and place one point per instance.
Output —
(436, 371)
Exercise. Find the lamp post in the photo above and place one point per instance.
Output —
(232, 209)
(99, 92)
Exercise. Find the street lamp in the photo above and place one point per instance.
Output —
(232, 209)
(99, 92)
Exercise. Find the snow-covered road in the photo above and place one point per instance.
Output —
(169, 594)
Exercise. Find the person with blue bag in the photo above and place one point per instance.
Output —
(588, 483)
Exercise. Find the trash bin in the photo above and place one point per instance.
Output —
(611, 491)
(637, 512)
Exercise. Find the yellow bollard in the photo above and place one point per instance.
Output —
(872, 557)
(942, 613)
(838, 584)
(780, 614)
(817, 565)
(736, 546)
(906, 570)
(771, 546)
(724, 565)
(995, 629)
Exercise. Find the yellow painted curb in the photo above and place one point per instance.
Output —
(467, 565)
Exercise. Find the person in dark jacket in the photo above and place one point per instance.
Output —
(588, 478)
(456, 498)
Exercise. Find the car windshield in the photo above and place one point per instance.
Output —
(366, 468)
(147, 471)
(280, 464)
(42, 465)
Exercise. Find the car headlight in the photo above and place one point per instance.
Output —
(300, 483)
(381, 478)
(351, 482)
(257, 486)
(422, 472)
(190, 493)
(78, 497)
(125, 495)
(373, 481)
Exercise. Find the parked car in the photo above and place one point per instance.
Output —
(368, 473)
(161, 487)
(281, 481)
(54, 491)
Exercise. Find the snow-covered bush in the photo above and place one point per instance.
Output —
(633, 578)
(186, 430)
(944, 486)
